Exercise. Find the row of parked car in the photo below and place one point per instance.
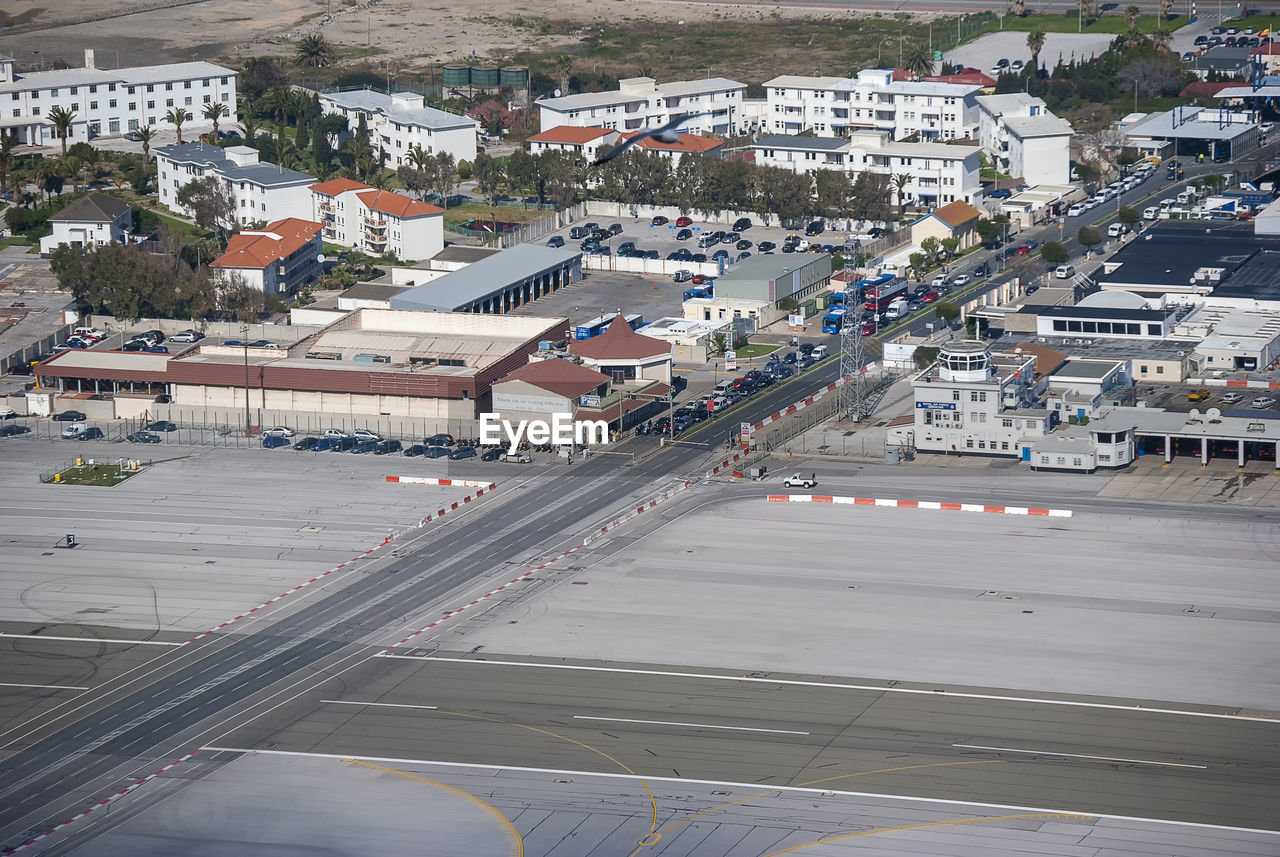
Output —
(361, 441)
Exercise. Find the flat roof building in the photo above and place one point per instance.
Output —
(1229, 262)
(757, 288)
(498, 283)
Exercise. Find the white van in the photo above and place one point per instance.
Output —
(897, 309)
(74, 430)
(1115, 230)
(1063, 272)
(1150, 213)
(723, 387)
(819, 352)
(1186, 197)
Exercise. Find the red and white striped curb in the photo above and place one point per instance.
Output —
(919, 504)
(639, 510)
(1240, 384)
(737, 456)
(427, 480)
(388, 540)
(809, 400)
(488, 594)
(139, 784)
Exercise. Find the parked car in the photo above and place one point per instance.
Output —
(387, 447)
(742, 224)
(263, 343)
(766, 246)
(364, 446)
(684, 220)
(1000, 193)
(1262, 402)
(1200, 394)
(279, 431)
(614, 229)
(187, 336)
(142, 437)
(555, 241)
(517, 457)
(90, 433)
(363, 434)
(1232, 397)
(493, 453)
(659, 220)
(12, 429)
(437, 451)
(162, 425)
(462, 452)
(321, 444)
(334, 432)
(304, 445)
(69, 416)
(800, 480)
(73, 430)
(682, 276)
(156, 349)
(684, 234)
(414, 451)
(815, 227)
(273, 441)
(442, 439)
(8, 414)
(962, 280)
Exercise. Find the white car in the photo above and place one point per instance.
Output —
(800, 480)
(962, 280)
(517, 457)
(940, 280)
(366, 434)
(1150, 213)
(1090, 203)
(1076, 210)
(1262, 402)
(336, 434)
(278, 431)
(8, 414)
(187, 336)
(1232, 397)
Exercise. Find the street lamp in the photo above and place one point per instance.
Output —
(248, 421)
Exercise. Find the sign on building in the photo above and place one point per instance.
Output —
(589, 401)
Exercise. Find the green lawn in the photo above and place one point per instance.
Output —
(99, 475)
(1255, 21)
(750, 351)
(1113, 23)
(16, 241)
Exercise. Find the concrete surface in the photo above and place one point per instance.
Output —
(982, 53)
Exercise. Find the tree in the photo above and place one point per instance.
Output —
(278, 102)
(1088, 172)
(249, 127)
(563, 64)
(260, 75)
(138, 174)
(1156, 75)
(918, 59)
(1166, 9)
(213, 111)
(1035, 44)
(1089, 236)
(1083, 9)
(833, 192)
(8, 142)
(488, 173)
(414, 180)
(988, 230)
(946, 310)
(1128, 216)
(930, 247)
(872, 198)
(176, 117)
(900, 182)
(62, 119)
(211, 205)
(1054, 252)
(313, 50)
(950, 245)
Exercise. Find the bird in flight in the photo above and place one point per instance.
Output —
(668, 133)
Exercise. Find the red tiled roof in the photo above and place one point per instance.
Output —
(333, 187)
(686, 143)
(1047, 359)
(619, 342)
(973, 78)
(395, 204)
(1266, 50)
(562, 377)
(956, 213)
(570, 134)
(259, 249)
(1205, 89)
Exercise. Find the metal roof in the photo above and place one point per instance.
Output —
(215, 157)
(794, 141)
(379, 102)
(485, 277)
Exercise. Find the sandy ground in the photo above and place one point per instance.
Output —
(403, 31)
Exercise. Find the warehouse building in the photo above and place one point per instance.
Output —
(496, 284)
(763, 289)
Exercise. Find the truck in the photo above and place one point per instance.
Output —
(897, 309)
(801, 480)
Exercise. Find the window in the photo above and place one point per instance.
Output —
(151, 105)
(1004, 444)
(168, 87)
(93, 105)
(151, 87)
(113, 126)
(187, 100)
(955, 395)
(1159, 370)
(35, 111)
(207, 98)
(969, 443)
(111, 87)
(16, 112)
(204, 82)
(133, 105)
(133, 124)
(186, 84)
(1062, 459)
(75, 90)
(168, 102)
(1006, 423)
(53, 93)
(1075, 462)
(982, 444)
(130, 90)
(1145, 369)
(973, 395)
(1059, 324)
(111, 103)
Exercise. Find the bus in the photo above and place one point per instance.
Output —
(884, 293)
(600, 324)
(833, 321)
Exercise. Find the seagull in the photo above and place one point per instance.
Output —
(668, 133)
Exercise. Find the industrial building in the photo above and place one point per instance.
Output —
(1231, 263)
(763, 289)
(497, 283)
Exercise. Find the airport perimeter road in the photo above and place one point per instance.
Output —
(1089, 755)
(56, 771)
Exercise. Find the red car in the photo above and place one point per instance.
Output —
(929, 297)
(1023, 249)
(868, 328)
(683, 221)
(698, 279)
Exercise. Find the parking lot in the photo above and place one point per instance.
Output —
(1240, 402)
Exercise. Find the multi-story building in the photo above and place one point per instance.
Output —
(377, 221)
(91, 221)
(399, 121)
(585, 142)
(275, 260)
(1025, 139)
(642, 102)
(110, 102)
(872, 100)
(259, 191)
(939, 172)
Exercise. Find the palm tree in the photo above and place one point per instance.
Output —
(176, 116)
(62, 119)
(420, 157)
(1084, 10)
(313, 50)
(563, 64)
(214, 111)
(1161, 38)
(248, 126)
(7, 144)
(356, 151)
(900, 182)
(918, 59)
(1132, 14)
(146, 134)
(1166, 9)
(278, 102)
(1035, 44)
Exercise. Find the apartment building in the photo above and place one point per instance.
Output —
(260, 191)
(584, 142)
(399, 121)
(939, 173)
(642, 102)
(377, 221)
(1025, 139)
(276, 260)
(874, 99)
(110, 102)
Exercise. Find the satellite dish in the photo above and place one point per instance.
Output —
(321, 259)
(557, 94)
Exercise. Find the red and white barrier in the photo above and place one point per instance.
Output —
(920, 504)
(104, 802)
(427, 480)
(639, 510)
(809, 400)
(1236, 383)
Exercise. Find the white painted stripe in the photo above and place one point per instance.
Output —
(692, 725)
(843, 501)
(1080, 756)
(95, 640)
(972, 507)
(1059, 513)
(882, 502)
(1015, 510)
(43, 686)
(1030, 700)
(378, 704)
(754, 787)
(801, 498)
(929, 504)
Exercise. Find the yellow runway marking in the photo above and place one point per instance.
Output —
(506, 822)
(924, 825)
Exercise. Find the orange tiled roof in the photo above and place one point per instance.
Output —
(686, 143)
(395, 204)
(563, 377)
(956, 213)
(262, 248)
(333, 187)
(570, 134)
(619, 342)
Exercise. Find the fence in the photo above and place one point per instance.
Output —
(122, 462)
(545, 226)
(36, 349)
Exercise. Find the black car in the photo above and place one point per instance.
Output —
(730, 238)
(789, 357)
(784, 372)
(69, 417)
(816, 227)
(142, 437)
(980, 271)
(342, 444)
(462, 452)
(140, 345)
(806, 348)
(304, 445)
(615, 229)
(492, 454)
(11, 430)
(876, 232)
(91, 433)
(386, 447)
(742, 224)
(698, 257)
(555, 241)
(414, 451)
(164, 399)
(442, 439)
(659, 220)
(684, 234)
(766, 246)
(162, 425)
(364, 446)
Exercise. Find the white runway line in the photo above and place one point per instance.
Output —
(44, 686)
(692, 725)
(94, 640)
(378, 704)
(1080, 756)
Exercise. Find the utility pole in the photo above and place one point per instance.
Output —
(853, 393)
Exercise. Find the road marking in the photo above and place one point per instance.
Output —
(693, 725)
(379, 704)
(1080, 756)
(838, 686)
(43, 686)
(730, 784)
(94, 640)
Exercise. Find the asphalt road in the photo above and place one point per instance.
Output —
(784, 730)
(65, 769)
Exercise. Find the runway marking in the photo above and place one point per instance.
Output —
(694, 725)
(840, 686)
(43, 686)
(981, 820)
(506, 822)
(94, 640)
(747, 786)
(379, 704)
(1081, 756)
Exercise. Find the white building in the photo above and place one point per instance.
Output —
(110, 102)
(259, 190)
(641, 102)
(276, 260)
(940, 172)
(377, 221)
(91, 221)
(400, 121)
(872, 100)
(1025, 139)
(584, 142)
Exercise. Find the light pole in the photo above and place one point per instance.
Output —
(248, 421)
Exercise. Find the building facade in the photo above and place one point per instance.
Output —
(90, 221)
(377, 221)
(111, 102)
(642, 102)
(259, 191)
(276, 260)
(400, 121)
(585, 142)
(1024, 138)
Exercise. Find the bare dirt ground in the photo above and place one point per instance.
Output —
(405, 32)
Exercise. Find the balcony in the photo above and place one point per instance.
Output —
(375, 223)
(326, 208)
